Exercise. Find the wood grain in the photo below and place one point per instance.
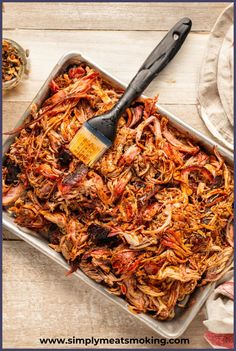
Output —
(120, 53)
(40, 301)
(110, 16)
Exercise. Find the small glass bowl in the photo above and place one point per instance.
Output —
(23, 54)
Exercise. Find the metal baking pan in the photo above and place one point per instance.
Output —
(183, 317)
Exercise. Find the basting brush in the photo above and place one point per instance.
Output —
(98, 133)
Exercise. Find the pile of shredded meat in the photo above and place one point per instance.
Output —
(152, 220)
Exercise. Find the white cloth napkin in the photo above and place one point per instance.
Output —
(225, 74)
(215, 91)
(220, 315)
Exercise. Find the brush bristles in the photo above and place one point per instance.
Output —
(87, 147)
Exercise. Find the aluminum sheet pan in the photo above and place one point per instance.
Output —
(183, 317)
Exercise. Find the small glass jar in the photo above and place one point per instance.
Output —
(22, 54)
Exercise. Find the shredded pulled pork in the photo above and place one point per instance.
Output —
(152, 220)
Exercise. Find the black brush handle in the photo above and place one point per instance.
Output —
(156, 61)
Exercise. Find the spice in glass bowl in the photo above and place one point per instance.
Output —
(11, 61)
(14, 63)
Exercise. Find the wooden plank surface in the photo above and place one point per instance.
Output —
(40, 301)
(110, 16)
(120, 53)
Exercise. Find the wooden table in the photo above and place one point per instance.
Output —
(39, 301)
